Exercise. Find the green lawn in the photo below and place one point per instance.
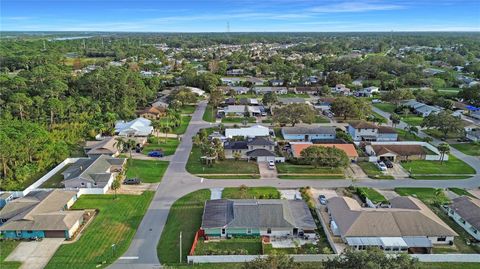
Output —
(6, 247)
(371, 194)
(195, 166)
(251, 193)
(182, 127)
(419, 177)
(239, 120)
(233, 246)
(56, 180)
(188, 109)
(459, 191)
(321, 119)
(373, 171)
(449, 265)
(168, 148)
(452, 166)
(387, 107)
(310, 177)
(185, 216)
(148, 171)
(439, 135)
(115, 223)
(288, 168)
(472, 149)
(278, 133)
(427, 195)
(405, 136)
(412, 120)
(208, 116)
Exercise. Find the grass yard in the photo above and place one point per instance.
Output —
(239, 120)
(459, 191)
(472, 149)
(427, 195)
(387, 107)
(412, 120)
(148, 171)
(195, 166)
(371, 194)
(115, 223)
(439, 135)
(321, 119)
(449, 265)
(405, 136)
(168, 148)
(251, 193)
(208, 116)
(438, 177)
(233, 246)
(183, 126)
(452, 166)
(6, 247)
(188, 109)
(278, 133)
(288, 168)
(372, 171)
(185, 216)
(310, 177)
(56, 180)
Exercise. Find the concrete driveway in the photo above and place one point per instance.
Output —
(35, 255)
(397, 171)
(265, 172)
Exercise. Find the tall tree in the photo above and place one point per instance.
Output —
(443, 148)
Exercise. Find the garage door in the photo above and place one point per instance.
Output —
(55, 234)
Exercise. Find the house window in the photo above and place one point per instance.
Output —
(249, 230)
(223, 231)
(269, 231)
(83, 184)
(19, 233)
(29, 232)
(442, 239)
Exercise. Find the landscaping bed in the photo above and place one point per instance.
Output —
(185, 216)
(115, 223)
(472, 149)
(149, 171)
(372, 171)
(452, 166)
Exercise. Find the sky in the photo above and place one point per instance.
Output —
(240, 15)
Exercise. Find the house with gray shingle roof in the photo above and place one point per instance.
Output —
(465, 211)
(252, 217)
(308, 133)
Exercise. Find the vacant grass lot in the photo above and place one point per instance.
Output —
(251, 193)
(208, 116)
(373, 171)
(427, 195)
(185, 216)
(115, 223)
(188, 109)
(452, 166)
(168, 147)
(372, 194)
(405, 136)
(234, 246)
(387, 107)
(310, 177)
(472, 149)
(195, 166)
(6, 247)
(148, 171)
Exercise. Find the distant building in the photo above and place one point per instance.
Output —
(276, 90)
(253, 131)
(136, 127)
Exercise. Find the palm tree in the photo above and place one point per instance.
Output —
(156, 124)
(120, 143)
(165, 127)
(130, 143)
(443, 148)
(411, 130)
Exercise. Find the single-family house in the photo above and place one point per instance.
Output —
(232, 81)
(276, 82)
(253, 131)
(240, 111)
(259, 148)
(291, 100)
(249, 101)
(297, 148)
(5, 198)
(41, 214)
(308, 133)
(366, 92)
(276, 90)
(366, 131)
(408, 226)
(196, 90)
(97, 173)
(256, 81)
(473, 135)
(465, 211)
(307, 90)
(341, 89)
(273, 217)
(235, 72)
(422, 109)
(108, 146)
(403, 150)
(152, 113)
(324, 103)
(137, 127)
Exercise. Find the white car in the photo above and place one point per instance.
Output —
(382, 166)
(271, 165)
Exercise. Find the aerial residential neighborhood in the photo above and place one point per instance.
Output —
(208, 134)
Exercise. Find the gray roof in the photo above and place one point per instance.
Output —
(309, 130)
(94, 170)
(292, 100)
(260, 141)
(468, 208)
(235, 145)
(252, 213)
(260, 153)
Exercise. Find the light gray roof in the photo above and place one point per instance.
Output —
(251, 213)
(292, 100)
(260, 141)
(260, 153)
(468, 208)
(309, 130)
(95, 170)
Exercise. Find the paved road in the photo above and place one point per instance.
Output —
(177, 182)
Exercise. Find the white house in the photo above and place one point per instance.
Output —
(137, 127)
(197, 91)
(465, 211)
(277, 90)
(254, 131)
(365, 131)
(240, 110)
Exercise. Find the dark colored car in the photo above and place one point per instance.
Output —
(388, 163)
(132, 181)
(155, 154)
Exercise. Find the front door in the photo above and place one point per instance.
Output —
(224, 231)
(295, 231)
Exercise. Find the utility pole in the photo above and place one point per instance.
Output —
(180, 258)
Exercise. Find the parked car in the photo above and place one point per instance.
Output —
(271, 165)
(155, 154)
(376, 101)
(322, 199)
(381, 166)
(388, 163)
(132, 181)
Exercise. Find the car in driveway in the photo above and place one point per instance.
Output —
(322, 199)
(388, 163)
(381, 166)
(271, 165)
(155, 153)
(132, 181)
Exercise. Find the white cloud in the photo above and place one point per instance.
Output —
(355, 6)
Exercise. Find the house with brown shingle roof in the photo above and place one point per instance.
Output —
(152, 113)
(409, 225)
(367, 131)
(403, 150)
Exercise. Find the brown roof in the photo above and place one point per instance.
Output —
(402, 150)
(386, 130)
(307, 89)
(363, 125)
(152, 110)
(356, 221)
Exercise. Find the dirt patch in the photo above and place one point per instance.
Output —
(135, 189)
